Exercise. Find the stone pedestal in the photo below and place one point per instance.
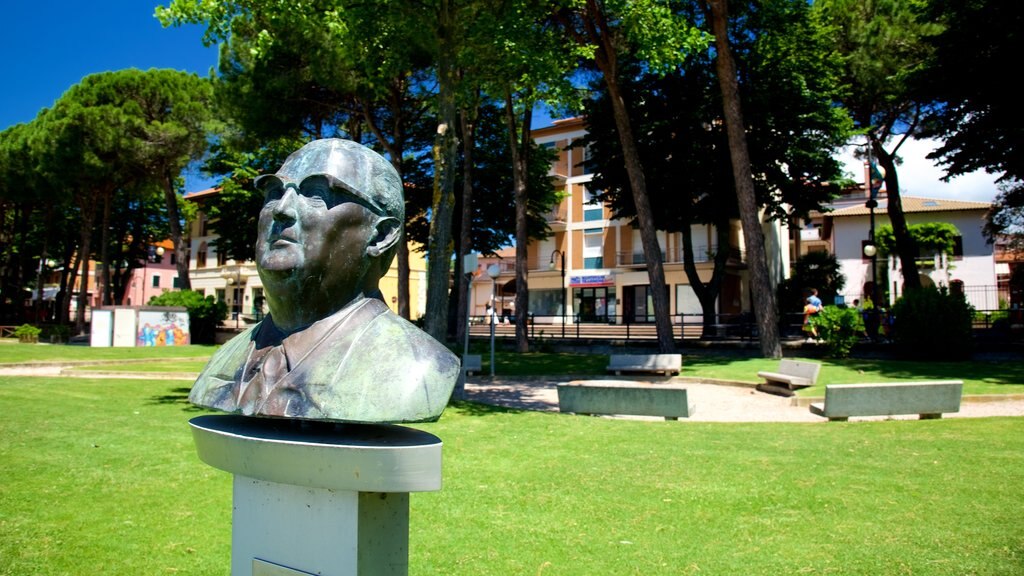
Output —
(319, 498)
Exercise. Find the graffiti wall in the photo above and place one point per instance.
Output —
(161, 328)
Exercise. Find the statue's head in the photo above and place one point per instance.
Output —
(329, 227)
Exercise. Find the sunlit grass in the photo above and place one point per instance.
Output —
(100, 476)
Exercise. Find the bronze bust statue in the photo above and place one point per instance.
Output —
(330, 349)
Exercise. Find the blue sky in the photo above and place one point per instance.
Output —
(49, 45)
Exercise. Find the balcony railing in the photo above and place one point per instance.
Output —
(701, 254)
(557, 214)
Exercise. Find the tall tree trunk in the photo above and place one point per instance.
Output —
(103, 279)
(467, 117)
(445, 148)
(173, 218)
(906, 248)
(706, 292)
(519, 145)
(761, 291)
(644, 216)
(395, 147)
(83, 292)
(87, 205)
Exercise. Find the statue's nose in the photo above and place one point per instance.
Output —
(285, 210)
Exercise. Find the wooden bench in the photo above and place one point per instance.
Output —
(611, 397)
(666, 364)
(793, 374)
(471, 363)
(929, 399)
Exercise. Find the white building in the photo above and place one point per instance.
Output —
(845, 230)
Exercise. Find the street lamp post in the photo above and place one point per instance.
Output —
(871, 249)
(234, 279)
(493, 271)
(150, 252)
(561, 255)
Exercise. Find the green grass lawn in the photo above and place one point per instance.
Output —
(980, 377)
(14, 353)
(152, 366)
(100, 476)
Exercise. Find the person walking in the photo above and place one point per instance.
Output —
(809, 311)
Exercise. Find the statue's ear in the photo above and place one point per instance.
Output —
(389, 230)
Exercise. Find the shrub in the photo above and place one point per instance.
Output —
(57, 332)
(28, 333)
(932, 323)
(204, 313)
(840, 327)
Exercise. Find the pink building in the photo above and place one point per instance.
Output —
(158, 275)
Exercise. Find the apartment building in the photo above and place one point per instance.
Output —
(592, 268)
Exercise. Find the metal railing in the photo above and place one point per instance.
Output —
(988, 325)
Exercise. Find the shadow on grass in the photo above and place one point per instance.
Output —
(177, 396)
(990, 372)
(470, 408)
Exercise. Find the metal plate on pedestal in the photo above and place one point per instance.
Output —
(264, 568)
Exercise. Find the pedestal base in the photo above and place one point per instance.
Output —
(318, 498)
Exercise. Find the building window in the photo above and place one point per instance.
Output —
(221, 294)
(593, 248)
(589, 166)
(201, 256)
(204, 224)
(592, 209)
(174, 259)
(176, 282)
(958, 248)
(156, 280)
(222, 257)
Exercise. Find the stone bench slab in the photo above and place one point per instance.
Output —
(616, 397)
(793, 373)
(657, 363)
(929, 399)
(472, 363)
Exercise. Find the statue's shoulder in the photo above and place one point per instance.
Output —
(395, 334)
(229, 357)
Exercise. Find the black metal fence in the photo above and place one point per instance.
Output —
(989, 325)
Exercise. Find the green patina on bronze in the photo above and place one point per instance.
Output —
(330, 349)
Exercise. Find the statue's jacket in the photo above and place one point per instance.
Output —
(362, 364)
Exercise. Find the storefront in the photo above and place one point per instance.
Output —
(593, 297)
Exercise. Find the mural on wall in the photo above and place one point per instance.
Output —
(163, 328)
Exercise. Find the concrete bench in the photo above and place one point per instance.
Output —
(666, 364)
(471, 363)
(929, 399)
(790, 375)
(612, 397)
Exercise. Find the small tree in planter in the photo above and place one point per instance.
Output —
(840, 328)
(27, 334)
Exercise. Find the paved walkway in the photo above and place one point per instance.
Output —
(713, 402)
(718, 402)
